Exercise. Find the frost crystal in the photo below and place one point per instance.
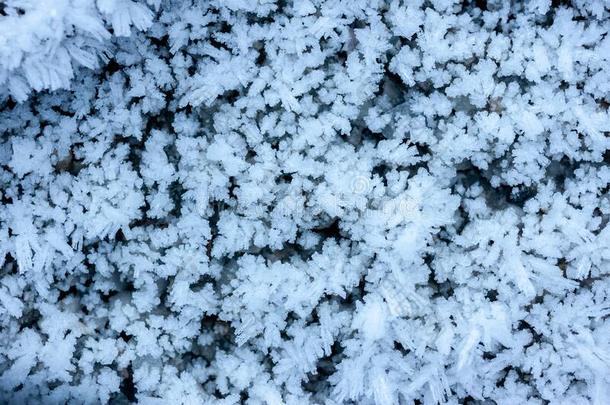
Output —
(319, 201)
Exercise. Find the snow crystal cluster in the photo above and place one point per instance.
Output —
(309, 201)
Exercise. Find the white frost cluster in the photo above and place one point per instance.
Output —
(41, 40)
(318, 201)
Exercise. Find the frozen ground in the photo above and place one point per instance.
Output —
(340, 201)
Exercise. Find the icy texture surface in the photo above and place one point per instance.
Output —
(329, 202)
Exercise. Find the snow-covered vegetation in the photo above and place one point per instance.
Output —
(318, 201)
